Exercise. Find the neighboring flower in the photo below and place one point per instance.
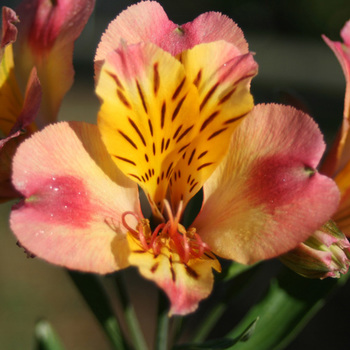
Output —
(17, 113)
(172, 125)
(46, 36)
(327, 252)
(324, 254)
(44, 51)
(337, 164)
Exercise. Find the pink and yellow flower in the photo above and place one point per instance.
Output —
(46, 36)
(44, 50)
(17, 112)
(176, 117)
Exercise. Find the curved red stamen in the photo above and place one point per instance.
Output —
(126, 225)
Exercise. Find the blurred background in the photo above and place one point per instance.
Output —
(295, 67)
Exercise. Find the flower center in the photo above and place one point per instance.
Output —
(186, 243)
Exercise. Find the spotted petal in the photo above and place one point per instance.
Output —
(146, 21)
(74, 197)
(185, 284)
(266, 197)
(222, 76)
(149, 109)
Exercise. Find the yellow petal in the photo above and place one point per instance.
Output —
(11, 100)
(185, 284)
(222, 76)
(148, 114)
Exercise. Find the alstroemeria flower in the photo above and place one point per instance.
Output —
(17, 113)
(172, 125)
(337, 163)
(46, 36)
(326, 253)
(167, 131)
(44, 50)
(263, 199)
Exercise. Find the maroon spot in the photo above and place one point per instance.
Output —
(154, 267)
(208, 95)
(142, 97)
(123, 99)
(127, 138)
(156, 78)
(216, 133)
(162, 113)
(150, 126)
(137, 130)
(192, 273)
(184, 134)
(202, 154)
(177, 132)
(209, 120)
(178, 89)
(198, 78)
(227, 96)
(177, 108)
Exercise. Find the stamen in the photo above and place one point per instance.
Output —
(171, 235)
(126, 225)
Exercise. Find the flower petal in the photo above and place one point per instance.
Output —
(8, 30)
(147, 116)
(185, 284)
(340, 152)
(222, 76)
(47, 33)
(11, 99)
(266, 198)
(342, 216)
(74, 199)
(146, 21)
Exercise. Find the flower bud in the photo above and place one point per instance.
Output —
(325, 253)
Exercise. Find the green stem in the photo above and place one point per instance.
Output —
(161, 341)
(208, 324)
(131, 319)
(93, 292)
(243, 273)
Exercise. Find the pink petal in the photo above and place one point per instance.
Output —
(266, 198)
(147, 21)
(74, 199)
(340, 152)
(9, 30)
(47, 33)
(45, 22)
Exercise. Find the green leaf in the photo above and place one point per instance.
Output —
(131, 319)
(95, 296)
(46, 338)
(236, 278)
(220, 344)
(162, 331)
(289, 304)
